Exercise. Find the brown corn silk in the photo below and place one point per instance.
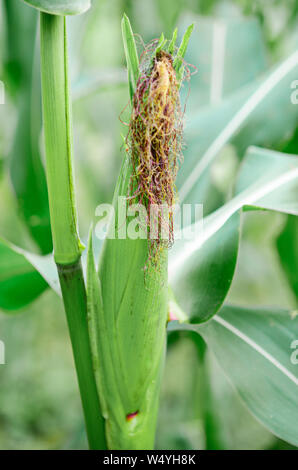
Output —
(155, 142)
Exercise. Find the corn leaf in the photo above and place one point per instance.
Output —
(267, 180)
(237, 119)
(205, 279)
(254, 347)
(131, 55)
(94, 82)
(288, 251)
(60, 7)
(216, 46)
(20, 282)
(26, 168)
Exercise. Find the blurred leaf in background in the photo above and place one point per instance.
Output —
(23, 82)
(241, 49)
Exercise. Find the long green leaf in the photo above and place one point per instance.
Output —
(60, 7)
(20, 282)
(254, 348)
(26, 169)
(96, 81)
(275, 189)
(288, 251)
(215, 48)
(131, 54)
(201, 270)
(204, 280)
(238, 116)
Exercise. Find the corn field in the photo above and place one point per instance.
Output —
(148, 225)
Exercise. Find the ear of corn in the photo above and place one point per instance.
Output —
(128, 297)
(127, 324)
(127, 331)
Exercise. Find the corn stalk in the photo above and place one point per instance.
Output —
(67, 245)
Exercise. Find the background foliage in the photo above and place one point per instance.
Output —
(39, 401)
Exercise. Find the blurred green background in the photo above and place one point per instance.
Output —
(39, 400)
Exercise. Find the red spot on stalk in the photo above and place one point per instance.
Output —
(131, 416)
(172, 317)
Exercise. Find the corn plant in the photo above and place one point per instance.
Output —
(120, 310)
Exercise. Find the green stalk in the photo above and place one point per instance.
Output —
(58, 139)
(67, 246)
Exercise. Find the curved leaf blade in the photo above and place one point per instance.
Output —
(254, 348)
(201, 270)
(261, 163)
(205, 280)
(275, 190)
(20, 282)
(287, 248)
(26, 168)
(60, 7)
(216, 46)
(239, 116)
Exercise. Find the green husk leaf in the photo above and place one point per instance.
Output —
(131, 54)
(160, 44)
(173, 41)
(178, 62)
(135, 331)
(97, 331)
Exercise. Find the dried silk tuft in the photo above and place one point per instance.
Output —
(155, 141)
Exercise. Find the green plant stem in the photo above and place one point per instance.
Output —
(67, 247)
(58, 138)
(75, 304)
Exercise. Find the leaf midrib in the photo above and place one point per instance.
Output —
(250, 342)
